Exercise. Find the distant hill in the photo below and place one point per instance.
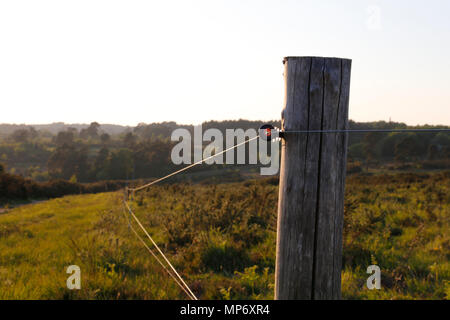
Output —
(54, 128)
(85, 154)
(166, 128)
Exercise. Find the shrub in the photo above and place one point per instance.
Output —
(224, 258)
(354, 167)
(15, 187)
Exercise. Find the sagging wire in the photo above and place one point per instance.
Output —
(131, 191)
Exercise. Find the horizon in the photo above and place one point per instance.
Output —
(192, 124)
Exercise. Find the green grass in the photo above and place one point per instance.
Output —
(222, 240)
(38, 242)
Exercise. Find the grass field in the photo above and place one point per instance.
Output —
(222, 239)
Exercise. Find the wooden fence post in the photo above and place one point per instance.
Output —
(312, 179)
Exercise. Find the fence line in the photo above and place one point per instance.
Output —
(366, 130)
(175, 275)
(157, 259)
(159, 250)
(190, 166)
(172, 271)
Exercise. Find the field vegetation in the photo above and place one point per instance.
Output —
(221, 237)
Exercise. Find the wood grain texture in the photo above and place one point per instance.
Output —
(312, 179)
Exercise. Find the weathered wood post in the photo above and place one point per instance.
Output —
(312, 179)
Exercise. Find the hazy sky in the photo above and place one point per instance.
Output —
(131, 61)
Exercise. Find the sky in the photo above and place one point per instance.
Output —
(127, 62)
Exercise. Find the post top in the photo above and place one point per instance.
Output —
(311, 57)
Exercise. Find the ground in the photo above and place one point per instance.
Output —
(221, 238)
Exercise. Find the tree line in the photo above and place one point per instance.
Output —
(15, 187)
(90, 154)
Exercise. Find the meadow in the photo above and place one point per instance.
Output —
(221, 237)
